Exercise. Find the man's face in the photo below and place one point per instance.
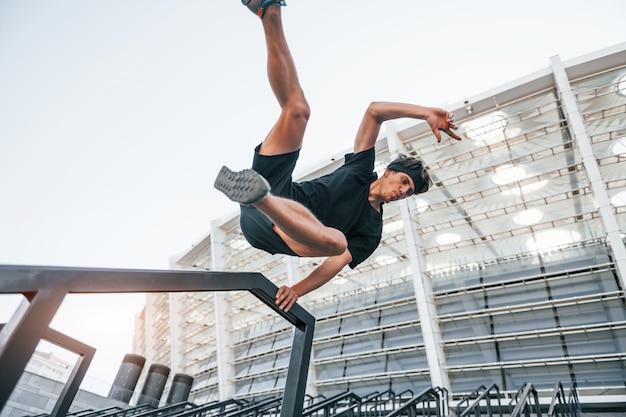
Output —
(397, 186)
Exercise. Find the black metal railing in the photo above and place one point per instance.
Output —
(563, 406)
(346, 403)
(46, 287)
(483, 398)
(426, 403)
(525, 401)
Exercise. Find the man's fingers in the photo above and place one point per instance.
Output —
(287, 303)
(453, 135)
(286, 306)
(285, 298)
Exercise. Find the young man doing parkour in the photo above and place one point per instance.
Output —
(339, 215)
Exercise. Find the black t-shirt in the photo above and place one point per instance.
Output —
(341, 200)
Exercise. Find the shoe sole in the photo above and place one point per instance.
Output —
(243, 187)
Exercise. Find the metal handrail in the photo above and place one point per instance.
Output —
(485, 395)
(560, 405)
(345, 399)
(373, 403)
(558, 396)
(573, 400)
(524, 397)
(424, 397)
(45, 288)
(468, 398)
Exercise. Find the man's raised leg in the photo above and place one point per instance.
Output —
(300, 229)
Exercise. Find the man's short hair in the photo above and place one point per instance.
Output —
(415, 169)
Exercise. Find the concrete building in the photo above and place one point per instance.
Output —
(511, 269)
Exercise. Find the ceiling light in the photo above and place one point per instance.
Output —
(487, 129)
(619, 147)
(393, 227)
(528, 217)
(385, 260)
(448, 238)
(619, 199)
(551, 239)
(507, 174)
(422, 205)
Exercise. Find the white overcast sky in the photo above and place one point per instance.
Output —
(116, 115)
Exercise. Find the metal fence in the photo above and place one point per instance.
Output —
(45, 288)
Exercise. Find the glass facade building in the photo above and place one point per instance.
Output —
(510, 270)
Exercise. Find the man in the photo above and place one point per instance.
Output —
(338, 216)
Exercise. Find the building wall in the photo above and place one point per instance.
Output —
(36, 395)
(509, 270)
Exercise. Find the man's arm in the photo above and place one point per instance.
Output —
(287, 296)
(379, 112)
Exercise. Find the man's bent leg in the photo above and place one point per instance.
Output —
(300, 229)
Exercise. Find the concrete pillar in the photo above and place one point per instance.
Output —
(154, 385)
(127, 377)
(180, 388)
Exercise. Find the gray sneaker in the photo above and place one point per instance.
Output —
(258, 7)
(243, 187)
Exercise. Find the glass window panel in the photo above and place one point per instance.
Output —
(465, 328)
(329, 371)
(410, 336)
(365, 389)
(281, 380)
(451, 304)
(360, 321)
(242, 369)
(515, 295)
(406, 387)
(262, 364)
(590, 344)
(259, 346)
(531, 348)
(283, 339)
(398, 291)
(580, 257)
(508, 271)
(327, 328)
(399, 314)
(543, 377)
(263, 383)
(362, 344)
(524, 321)
(600, 374)
(466, 382)
(242, 388)
(406, 361)
(365, 366)
(595, 343)
(591, 313)
(471, 354)
(453, 280)
(327, 349)
(576, 286)
(323, 309)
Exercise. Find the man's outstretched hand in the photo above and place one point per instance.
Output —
(442, 120)
(286, 298)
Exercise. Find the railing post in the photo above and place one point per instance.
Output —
(20, 336)
(295, 385)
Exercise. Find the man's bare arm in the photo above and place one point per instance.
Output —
(287, 296)
(379, 112)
